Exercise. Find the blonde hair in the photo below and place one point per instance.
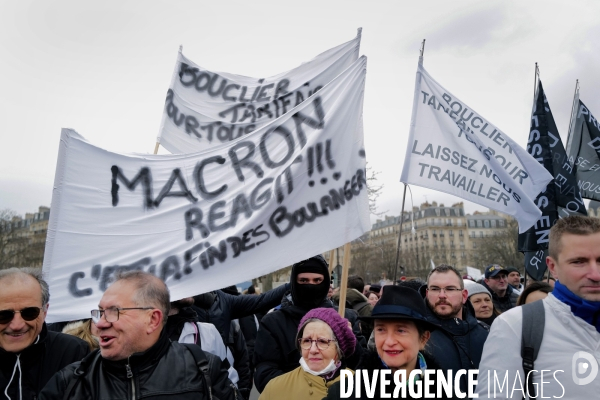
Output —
(83, 330)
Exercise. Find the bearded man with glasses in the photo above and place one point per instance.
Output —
(496, 281)
(29, 353)
(459, 343)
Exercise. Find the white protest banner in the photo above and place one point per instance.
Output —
(453, 149)
(204, 109)
(202, 221)
(474, 272)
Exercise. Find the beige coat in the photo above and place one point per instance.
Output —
(297, 385)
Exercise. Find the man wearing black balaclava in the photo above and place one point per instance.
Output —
(275, 351)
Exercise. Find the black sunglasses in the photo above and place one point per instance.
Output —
(28, 314)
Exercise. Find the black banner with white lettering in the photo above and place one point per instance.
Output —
(561, 197)
(584, 152)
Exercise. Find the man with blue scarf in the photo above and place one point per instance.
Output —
(568, 360)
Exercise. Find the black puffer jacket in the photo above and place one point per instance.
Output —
(241, 363)
(38, 362)
(167, 370)
(225, 307)
(459, 342)
(506, 302)
(275, 351)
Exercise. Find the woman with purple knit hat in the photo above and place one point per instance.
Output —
(324, 339)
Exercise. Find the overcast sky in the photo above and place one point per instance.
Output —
(103, 69)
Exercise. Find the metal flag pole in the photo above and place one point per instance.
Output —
(399, 244)
(573, 112)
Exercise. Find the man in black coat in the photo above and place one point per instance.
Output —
(136, 359)
(504, 296)
(275, 351)
(459, 342)
(29, 353)
(220, 308)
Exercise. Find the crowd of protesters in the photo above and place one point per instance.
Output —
(291, 342)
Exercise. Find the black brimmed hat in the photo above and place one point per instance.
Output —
(400, 302)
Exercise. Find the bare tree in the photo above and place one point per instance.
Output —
(361, 256)
(374, 190)
(501, 248)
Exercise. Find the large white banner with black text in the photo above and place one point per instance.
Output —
(453, 149)
(202, 221)
(204, 109)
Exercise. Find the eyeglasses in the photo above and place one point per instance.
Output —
(28, 314)
(112, 314)
(499, 277)
(447, 290)
(322, 344)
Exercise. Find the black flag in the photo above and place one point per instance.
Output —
(584, 148)
(561, 197)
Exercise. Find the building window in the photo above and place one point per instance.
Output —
(460, 233)
(480, 234)
(471, 224)
(486, 223)
(479, 224)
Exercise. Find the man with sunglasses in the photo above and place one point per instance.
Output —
(459, 343)
(30, 354)
(136, 359)
(496, 281)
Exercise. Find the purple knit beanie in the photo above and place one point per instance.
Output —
(343, 334)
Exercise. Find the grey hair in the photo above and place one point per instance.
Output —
(150, 290)
(35, 273)
(301, 331)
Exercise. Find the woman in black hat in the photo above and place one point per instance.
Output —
(401, 332)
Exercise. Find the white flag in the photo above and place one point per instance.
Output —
(453, 149)
(205, 109)
(474, 272)
(203, 221)
(432, 264)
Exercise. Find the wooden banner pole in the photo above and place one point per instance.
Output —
(331, 264)
(156, 148)
(344, 280)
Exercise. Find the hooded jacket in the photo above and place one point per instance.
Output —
(167, 370)
(506, 302)
(359, 303)
(34, 366)
(458, 343)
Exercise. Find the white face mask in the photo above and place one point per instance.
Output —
(329, 368)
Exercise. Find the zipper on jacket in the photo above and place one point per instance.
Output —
(130, 376)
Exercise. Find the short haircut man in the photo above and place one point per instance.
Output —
(356, 282)
(29, 353)
(571, 333)
(496, 281)
(459, 342)
(129, 322)
(446, 292)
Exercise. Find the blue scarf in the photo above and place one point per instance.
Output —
(589, 311)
